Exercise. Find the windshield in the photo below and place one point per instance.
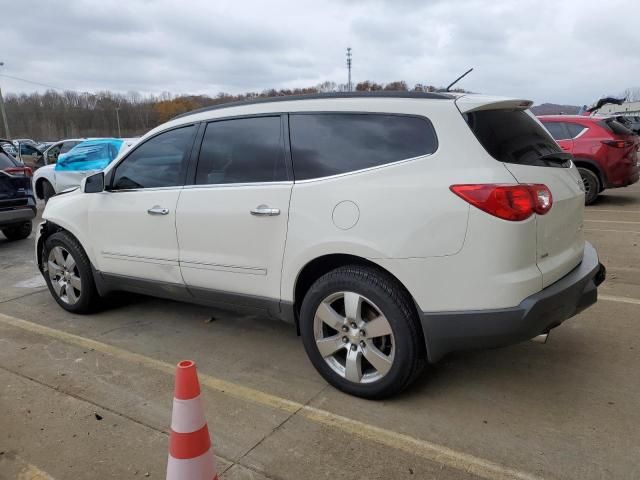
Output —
(512, 136)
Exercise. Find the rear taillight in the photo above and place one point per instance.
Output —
(509, 202)
(26, 171)
(618, 143)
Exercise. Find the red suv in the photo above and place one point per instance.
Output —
(604, 150)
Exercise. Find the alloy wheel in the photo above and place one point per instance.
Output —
(354, 337)
(587, 185)
(64, 275)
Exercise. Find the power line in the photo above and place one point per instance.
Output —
(29, 81)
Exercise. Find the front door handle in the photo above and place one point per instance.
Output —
(158, 210)
(265, 211)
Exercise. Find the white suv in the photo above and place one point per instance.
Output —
(390, 229)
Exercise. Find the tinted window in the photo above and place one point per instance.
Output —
(613, 126)
(333, 143)
(6, 161)
(242, 150)
(575, 129)
(28, 150)
(158, 162)
(558, 130)
(511, 136)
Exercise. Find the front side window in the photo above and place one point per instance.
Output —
(242, 150)
(327, 144)
(161, 161)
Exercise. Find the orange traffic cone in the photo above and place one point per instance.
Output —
(190, 451)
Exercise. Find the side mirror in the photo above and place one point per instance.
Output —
(94, 183)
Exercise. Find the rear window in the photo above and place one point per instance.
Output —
(6, 161)
(326, 144)
(511, 136)
(616, 127)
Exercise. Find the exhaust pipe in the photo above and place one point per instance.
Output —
(542, 338)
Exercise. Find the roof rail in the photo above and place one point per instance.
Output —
(316, 96)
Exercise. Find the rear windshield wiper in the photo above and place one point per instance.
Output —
(557, 157)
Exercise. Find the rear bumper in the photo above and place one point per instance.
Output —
(18, 215)
(630, 179)
(451, 331)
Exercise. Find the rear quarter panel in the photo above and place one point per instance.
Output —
(405, 210)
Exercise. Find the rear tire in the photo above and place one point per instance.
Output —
(371, 349)
(18, 232)
(47, 191)
(67, 271)
(591, 185)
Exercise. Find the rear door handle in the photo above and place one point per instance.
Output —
(158, 210)
(265, 211)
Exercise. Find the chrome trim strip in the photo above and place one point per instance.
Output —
(138, 258)
(287, 183)
(223, 268)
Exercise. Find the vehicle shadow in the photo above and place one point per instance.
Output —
(604, 200)
(526, 370)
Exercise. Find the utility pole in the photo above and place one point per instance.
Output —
(118, 120)
(4, 114)
(349, 88)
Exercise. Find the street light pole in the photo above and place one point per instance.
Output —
(349, 88)
(118, 120)
(4, 114)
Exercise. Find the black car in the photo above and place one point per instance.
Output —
(17, 202)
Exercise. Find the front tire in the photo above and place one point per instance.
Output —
(47, 191)
(361, 333)
(591, 185)
(18, 232)
(67, 271)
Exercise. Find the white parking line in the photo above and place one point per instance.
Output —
(613, 298)
(612, 221)
(589, 210)
(608, 230)
(33, 282)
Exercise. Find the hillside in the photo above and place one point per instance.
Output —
(554, 109)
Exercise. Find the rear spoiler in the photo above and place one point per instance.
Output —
(474, 103)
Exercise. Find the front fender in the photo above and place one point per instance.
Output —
(70, 212)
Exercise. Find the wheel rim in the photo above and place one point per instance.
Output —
(588, 187)
(354, 337)
(64, 275)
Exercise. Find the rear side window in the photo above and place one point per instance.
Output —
(511, 136)
(558, 130)
(327, 144)
(242, 150)
(575, 129)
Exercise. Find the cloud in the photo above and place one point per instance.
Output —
(563, 52)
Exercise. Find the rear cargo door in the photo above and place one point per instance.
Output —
(512, 135)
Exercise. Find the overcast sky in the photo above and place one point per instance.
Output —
(570, 51)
